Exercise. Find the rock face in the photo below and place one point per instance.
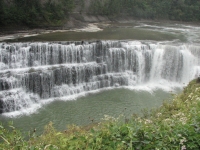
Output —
(198, 79)
(31, 72)
(1, 107)
(81, 15)
(82, 6)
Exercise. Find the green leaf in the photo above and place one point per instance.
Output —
(59, 133)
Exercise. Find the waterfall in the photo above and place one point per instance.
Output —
(33, 72)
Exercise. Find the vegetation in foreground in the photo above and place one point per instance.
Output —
(173, 126)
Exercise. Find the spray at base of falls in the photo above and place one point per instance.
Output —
(34, 73)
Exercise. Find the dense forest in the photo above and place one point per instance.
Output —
(55, 12)
(180, 10)
(34, 12)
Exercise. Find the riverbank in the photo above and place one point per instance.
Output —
(175, 125)
(79, 23)
(16, 34)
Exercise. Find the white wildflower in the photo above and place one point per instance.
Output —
(139, 120)
(147, 121)
(183, 120)
(183, 147)
(183, 140)
(159, 114)
(167, 120)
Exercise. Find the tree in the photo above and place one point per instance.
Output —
(1, 12)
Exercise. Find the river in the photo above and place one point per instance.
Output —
(132, 66)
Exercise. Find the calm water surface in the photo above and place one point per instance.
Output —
(92, 107)
(120, 31)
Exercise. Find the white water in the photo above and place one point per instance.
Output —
(34, 74)
(190, 32)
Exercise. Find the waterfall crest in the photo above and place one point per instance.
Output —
(32, 72)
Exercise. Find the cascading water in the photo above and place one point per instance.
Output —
(33, 72)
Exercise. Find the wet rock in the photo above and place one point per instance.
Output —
(1, 106)
(198, 80)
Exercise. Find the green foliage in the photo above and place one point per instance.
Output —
(33, 13)
(1, 11)
(183, 10)
(11, 138)
(54, 13)
(175, 125)
(108, 7)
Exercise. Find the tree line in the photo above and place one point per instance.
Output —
(34, 12)
(55, 12)
(180, 10)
